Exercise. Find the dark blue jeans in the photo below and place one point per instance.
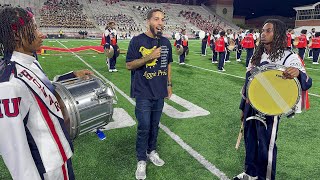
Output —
(148, 113)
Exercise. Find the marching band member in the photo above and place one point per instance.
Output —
(239, 36)
(215, 35)
(310, 36)
(256, 36)
(248, 44)
(302, 43)
(220, 47)
(316, 48)
(230, 37)
(111, 40)
(34, 143)
(184, 42)
(260, 140)
(204, 42)
(289, 39)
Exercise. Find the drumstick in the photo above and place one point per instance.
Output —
(239, 137)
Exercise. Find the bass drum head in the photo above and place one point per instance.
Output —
(272, 95)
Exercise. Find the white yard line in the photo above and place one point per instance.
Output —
(218, 72)
(209, 166)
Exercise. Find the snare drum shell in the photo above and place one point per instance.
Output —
(87, 105)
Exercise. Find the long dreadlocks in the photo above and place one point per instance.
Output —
(15, 24)
(278, 44)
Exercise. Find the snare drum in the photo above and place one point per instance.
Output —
(270, 94)
(86, 104)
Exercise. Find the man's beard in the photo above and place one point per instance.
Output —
(155, 34)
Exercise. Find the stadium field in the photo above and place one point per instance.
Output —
(194, 148)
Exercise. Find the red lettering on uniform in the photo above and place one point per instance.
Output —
(51, 101)
(57, 105)
(44, 92)
(1, 115)
(26, 74)
(15, 105)
(36, 83)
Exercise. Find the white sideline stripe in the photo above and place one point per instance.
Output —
(218, 72)
(311, 94)
(209, 166)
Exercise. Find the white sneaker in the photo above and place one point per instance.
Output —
(182, 63)
(244, 176)
(115, 70)
(155, 159)
(222, 70)
(228, 61)
(203, 55)
(141, 170)
(110, 70)
(214, 62)
(239, 60)
(315, 63)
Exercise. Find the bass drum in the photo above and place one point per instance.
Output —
(86, 104)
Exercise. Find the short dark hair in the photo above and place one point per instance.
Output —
(222, 33)
(317, 34)
(303, 31)
(150, 13)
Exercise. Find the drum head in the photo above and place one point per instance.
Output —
(109, 52)
(296, 41)
(231, 47)
(202, 34)
(179, 49)
(177, 36)
(270, 94)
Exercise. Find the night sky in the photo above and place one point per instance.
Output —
(268, 7)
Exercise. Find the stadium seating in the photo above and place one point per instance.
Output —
(72, 16)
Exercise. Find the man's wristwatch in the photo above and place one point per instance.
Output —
(170, 84)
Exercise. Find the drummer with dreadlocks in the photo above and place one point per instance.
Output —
(260, 137)
(34, 143)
